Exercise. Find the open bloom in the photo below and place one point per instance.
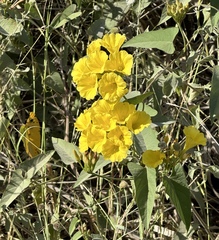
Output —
(83, 121)
(193, 138)
(137, 121)
(152, 158)
(80, 70)
(117, 144)
(87, 86)
(113, 41)
(112, 87)
(94, 46)
(120, 62)
(121, 111)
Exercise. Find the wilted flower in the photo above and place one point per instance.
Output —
(193, 138)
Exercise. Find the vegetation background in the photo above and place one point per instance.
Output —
(40, 42)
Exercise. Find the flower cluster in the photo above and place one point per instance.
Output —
(101, 70)
(193, 138)
(108, 125)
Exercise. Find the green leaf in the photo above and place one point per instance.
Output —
(97, 28)
(161, 39)
(164, 16)
(77, 235)
(16, 186)
(20, 179)
(214, 169)
(214, 95)
(150, 138)
(176, 188)
(54, 81)
(4, 123)
(84, 175)
(66, 150)
(33, 165)
(6, 61)
(67, 15)
(146, 140)
(171, 83)
(145, 184)
(149, 110)
(73, 225)
(137, 99)
(9, 27)
(215, 6)
(140, 5)
(21, 85)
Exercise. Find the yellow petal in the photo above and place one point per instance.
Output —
(32, 138)
(152, 158)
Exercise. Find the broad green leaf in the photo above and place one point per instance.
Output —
(176, 188)
(20, 179)
(33, 165)
(140, 5)
(114, 12)
(146, 140)
(150, 138)
(149, 110)
(138, 99)
(21, 85)
(178, 175)
(97, 28)
(139, 143)
(145, 184)
(65, 150)
(6, 61)
(54, 81)
(84, 175)
(9, 27)
(214, 95)
(67, 15)
(16, 186)
(161, 39)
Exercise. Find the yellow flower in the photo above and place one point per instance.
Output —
(193, 138)
(83, 121)
(96, 61)
(112, 87)
(113, 41)
(152, 158)
(137, 121)
(121, 135)
(83, 144)
(117, 144)
(101, 106)
(103, 121)
(94, 46)
(80, 69)
(113, 151)
(121, 111)
(87, 86)
(96, 138)
(120, 62)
